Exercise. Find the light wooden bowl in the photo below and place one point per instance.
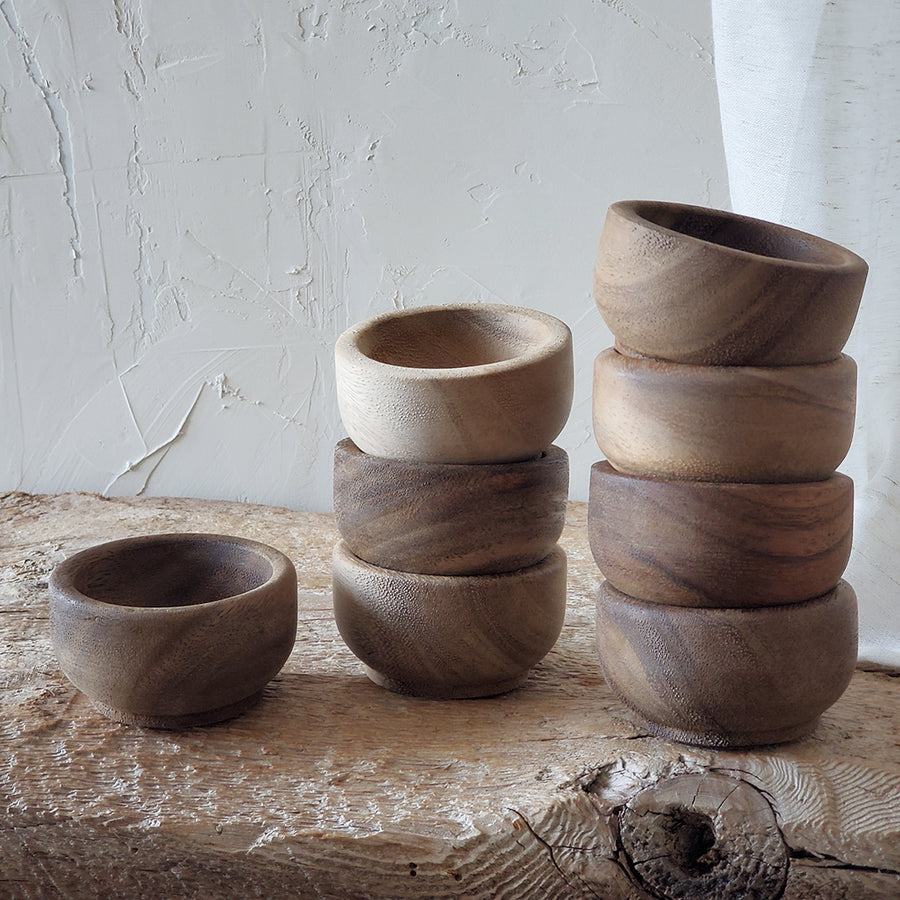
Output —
(728, 677)
(449, 519)
(446, 636)
(702, 286)
(466, 383)
(172, 630)
(724, 423)
(698, 543)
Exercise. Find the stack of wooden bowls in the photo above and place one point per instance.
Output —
(717, 518)
(450, 497)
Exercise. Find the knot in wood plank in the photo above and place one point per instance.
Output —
(707, 836)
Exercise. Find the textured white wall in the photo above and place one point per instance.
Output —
(196, 198)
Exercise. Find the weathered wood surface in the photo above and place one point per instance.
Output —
(333, 787)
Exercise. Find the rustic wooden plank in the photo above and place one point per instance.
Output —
(332, 787)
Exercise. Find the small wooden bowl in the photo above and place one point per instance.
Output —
(702, 286)
(172, 630)
(444, 636)
(724, 423)
(449, 519)
(728, 677)
(467, 383)
(698, 543)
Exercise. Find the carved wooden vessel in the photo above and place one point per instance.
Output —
(469, 383)
(172, 630)
(724, 423)
(449, 496)
(708, 287)
(728, 677)
(696, 543)
(449, 519)
(723, 410)
(448, 636)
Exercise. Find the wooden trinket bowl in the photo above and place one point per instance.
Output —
(447, 518)
(448, 636)
(707, 287)
(698, 543)
(173, 630)
(724, 423)
(728, 677)
(467, 383)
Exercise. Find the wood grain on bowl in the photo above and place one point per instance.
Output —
(449, 519)
(724, 423)
(173, 630)
(464, 383)
(699, 543)
(448, 636)
(708, 287)
(728, 677)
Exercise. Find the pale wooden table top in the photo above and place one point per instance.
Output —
(332, 787)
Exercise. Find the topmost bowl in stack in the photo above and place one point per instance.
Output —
(707, 287)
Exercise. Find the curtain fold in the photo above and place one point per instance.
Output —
(809, 96)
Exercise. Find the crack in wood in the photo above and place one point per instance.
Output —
(826, 861)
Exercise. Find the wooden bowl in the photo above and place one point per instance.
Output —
(724, 423)
(467, 383)
(728, 677)
(449, 636)
(702, 286)
(446, 518)
(172, 630)
(698, 543)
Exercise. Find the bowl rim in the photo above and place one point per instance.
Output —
(343, 557)
(552, 456)
(558, 338)
(836, 482)
(62, 588)
(845, 259)
(626, 365)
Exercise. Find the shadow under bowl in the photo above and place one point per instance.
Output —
(173, 630)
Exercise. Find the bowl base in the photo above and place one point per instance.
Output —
(206, 717)
(728, 740)
(449, 691)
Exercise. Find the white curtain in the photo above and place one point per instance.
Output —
(809, 94)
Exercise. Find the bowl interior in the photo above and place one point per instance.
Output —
(451, 338)
(749, 235)
(172, 573)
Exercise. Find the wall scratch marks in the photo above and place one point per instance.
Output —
(130, 24)
(253, 178)
(59, 117)
(138, 179)
(159, 450)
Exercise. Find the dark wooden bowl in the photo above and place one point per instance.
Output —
(449, 636)
(699, 543)
(724, 423)
(460, 383)
(708, 287)
(446, 519)
(728, 677)
(172, 630)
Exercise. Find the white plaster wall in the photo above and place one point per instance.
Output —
(197, 197)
